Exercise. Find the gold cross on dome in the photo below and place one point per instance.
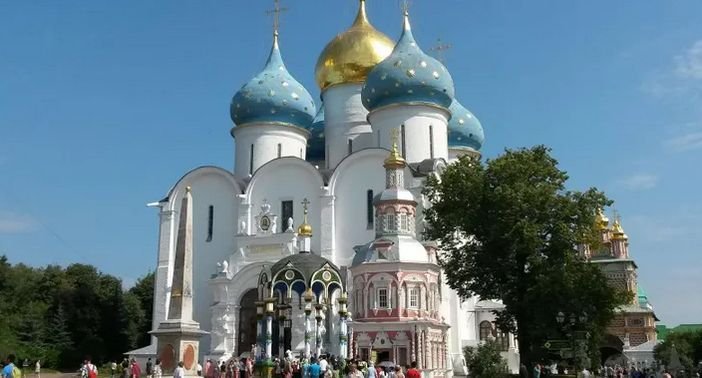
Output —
(440, 50)
(305, 202)
(276, 11)
(395, 136)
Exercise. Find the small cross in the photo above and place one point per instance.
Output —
(440, 49)
(305, 202)
(615, 213)
(395, 136)
(405, 6)
(276, 11)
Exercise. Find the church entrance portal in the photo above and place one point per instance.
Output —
(247, 322)
(611, 350)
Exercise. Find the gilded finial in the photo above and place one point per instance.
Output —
(394, 160)
(188, 189)
(305, 228)
(361, 17)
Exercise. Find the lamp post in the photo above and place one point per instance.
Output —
(319, 316)
(343, 338)
(259, 330)
(282, 312)
(569, 324)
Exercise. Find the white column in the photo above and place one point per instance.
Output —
(343, 337)
(318, 332)
(269, 335)
(307, 335)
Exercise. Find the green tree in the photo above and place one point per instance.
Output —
(508, 229)
(688, 346)
(143, 290)
(60, 315)
(485, 361)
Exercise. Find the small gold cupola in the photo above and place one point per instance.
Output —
(305, 229)
(601, 220)
(394, 159)
(618, 231)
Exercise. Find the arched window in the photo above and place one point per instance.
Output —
(431, 141)
(251, 157)
(210, 223)
(369, 209)
(485, 330)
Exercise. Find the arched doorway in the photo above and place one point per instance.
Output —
(247, 321)
(611, 350)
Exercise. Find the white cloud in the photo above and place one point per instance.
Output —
(685, 142)
(11, 223)
(689, 64)
(639, 181)
(682, 82)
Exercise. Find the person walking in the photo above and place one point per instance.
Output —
(10, 370)
(149, 368)
(37, 369)
(179, 372)
(136, 370)
(313, 369)
(158, 370)
(354, 372)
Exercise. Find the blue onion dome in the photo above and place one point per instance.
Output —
(464, 129)
(315, 144)
(408, 76)
(273, 96)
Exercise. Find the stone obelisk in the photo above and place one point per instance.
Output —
(179, 335)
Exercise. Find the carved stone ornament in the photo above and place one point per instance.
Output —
(266, 221)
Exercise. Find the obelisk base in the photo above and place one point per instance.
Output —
(178, 342)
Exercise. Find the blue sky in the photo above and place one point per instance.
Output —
(104, 105)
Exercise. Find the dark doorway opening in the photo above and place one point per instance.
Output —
(247, 322)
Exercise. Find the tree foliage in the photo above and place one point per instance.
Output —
(60, 315)
(485, 360)
(688, 346)
(509, 231)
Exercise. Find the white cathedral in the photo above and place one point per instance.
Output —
(334, 190)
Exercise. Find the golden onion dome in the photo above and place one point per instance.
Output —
(352, 54)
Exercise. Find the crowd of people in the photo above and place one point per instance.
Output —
(608, 372)
(315, 367)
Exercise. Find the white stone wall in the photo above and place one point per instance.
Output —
(417, 119)
(265, 138)
(210, 186)
(344, 119)
(287, 179)
(349, 185)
